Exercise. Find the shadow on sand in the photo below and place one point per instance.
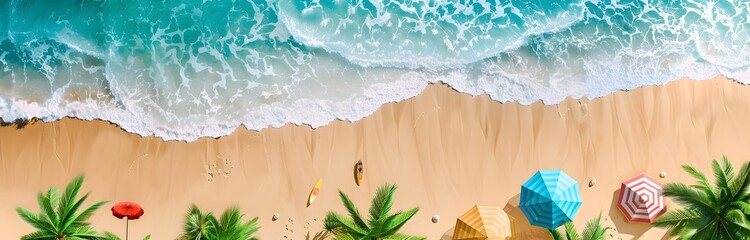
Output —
(18, 123)
(634, 230)
(322, 235)
(448, 235)
(524, 229)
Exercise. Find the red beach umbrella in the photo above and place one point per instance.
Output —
(128, 210)
(641, 199)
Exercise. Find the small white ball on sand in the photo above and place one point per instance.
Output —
(663, 174)
(435, 218)
(275, 217)
(592, 182)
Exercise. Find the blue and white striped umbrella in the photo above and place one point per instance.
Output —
(550, 199)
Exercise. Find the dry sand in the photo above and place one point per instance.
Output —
(446, 150)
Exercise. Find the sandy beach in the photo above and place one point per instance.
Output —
(446, 150)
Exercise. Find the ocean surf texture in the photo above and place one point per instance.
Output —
(181, 70)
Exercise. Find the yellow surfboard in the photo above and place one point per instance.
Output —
(314, 193)
(359, 169)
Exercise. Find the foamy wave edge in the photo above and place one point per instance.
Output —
(312, 112)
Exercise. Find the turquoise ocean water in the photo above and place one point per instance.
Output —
(187, 69)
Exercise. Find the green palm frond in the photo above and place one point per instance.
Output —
(740, 185)
(39, 235)
(556, 235)
(380, 225)
(742, 206)
(59, 215)
(36, 221)
(69, 219)
(322, 235)
(721, 180)
(702, 182)
(396, 221)
(594, 229)
(709, 231)
(197, 225)
(69, 196)
(344, 236)
(232, 227)
(381, 203)
(677, 217)
(228, 224)
(111, 236)
(83, 233)
(736, 217)
(570, 231)
(47, 204)
(336, 223)
(353, 212)
(737, 231)
(251, 227)
(204, 226)
(718, 211)
(685, 195)
(80, 219)
(727, 168)
(684, 234)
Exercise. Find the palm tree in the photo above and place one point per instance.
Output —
(198, 225)
(59, 216)
(593, 231)
(380, 225)
(204, 226)
(710, 212)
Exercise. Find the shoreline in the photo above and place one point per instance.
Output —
(21, 123)
(445, 149)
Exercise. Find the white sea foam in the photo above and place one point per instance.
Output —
(414, 41)
(319, 112)
(209, 76)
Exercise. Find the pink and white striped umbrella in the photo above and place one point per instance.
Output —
(641, 199)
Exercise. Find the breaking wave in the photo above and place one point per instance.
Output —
(181, 70)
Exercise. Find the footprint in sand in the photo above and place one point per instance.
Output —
(217, 167)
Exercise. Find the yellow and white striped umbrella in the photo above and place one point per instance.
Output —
(485, 223)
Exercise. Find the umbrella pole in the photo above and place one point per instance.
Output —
(126, 227)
